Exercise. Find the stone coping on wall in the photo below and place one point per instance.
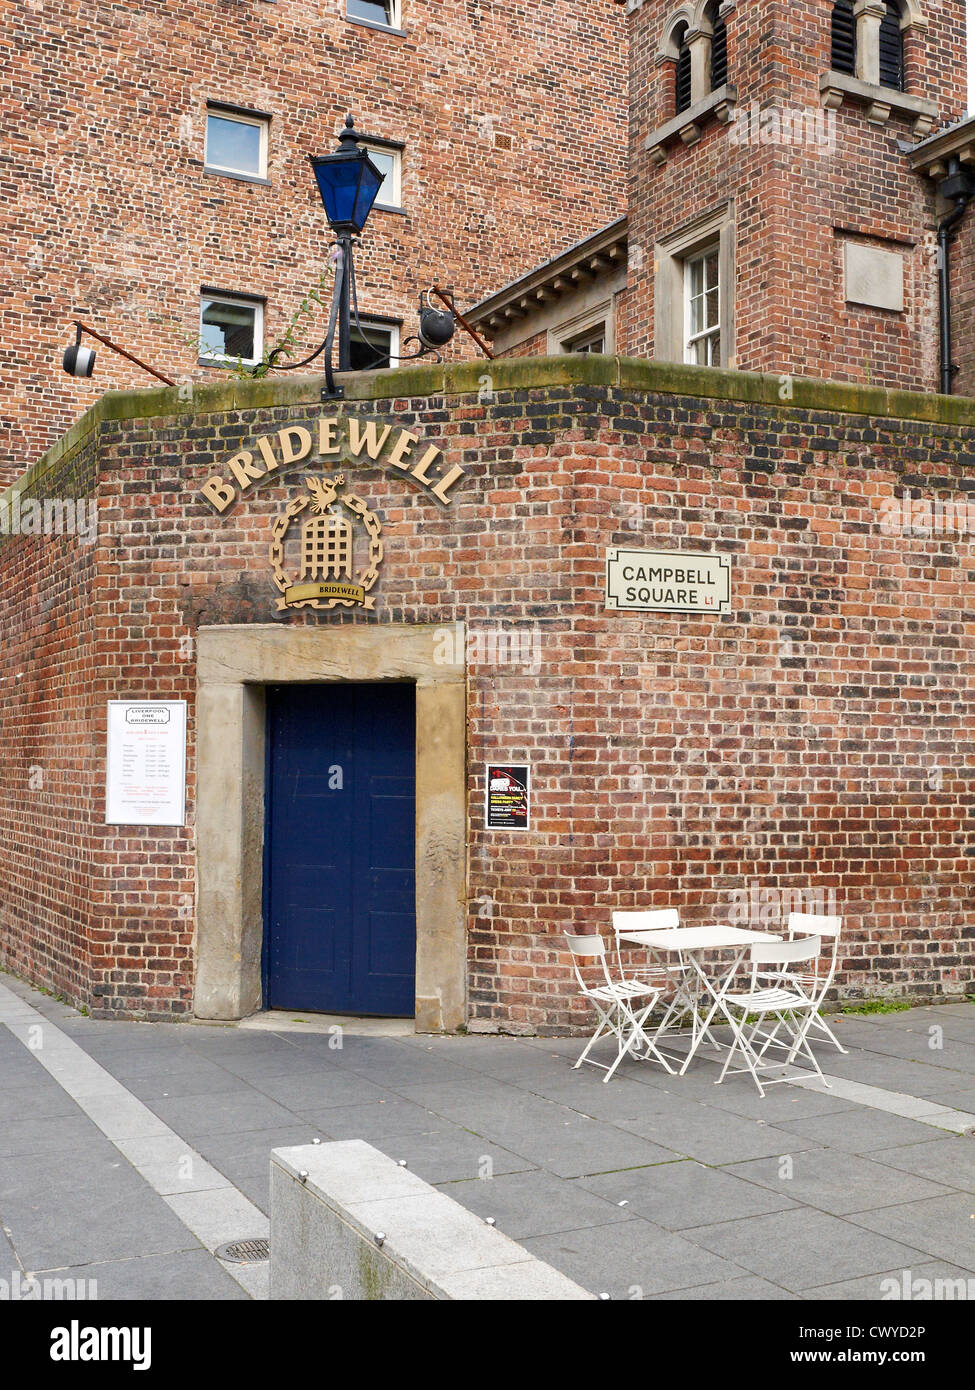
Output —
(507, 374)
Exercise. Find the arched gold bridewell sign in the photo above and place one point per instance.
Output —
(326, 543)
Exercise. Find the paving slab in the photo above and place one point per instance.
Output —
(576, 1145)
(716, 1137)
(949, 1160)
(190, 1078)
(536, 1204)
(802, 1248)
(638, 1260)
(890, 1073)
(684, 1194)
(449, 1154)
(184, 1276)
(941, 1227)
(620, 1100)
(861, 1130)
(315, 1090)
(838, 1182)
(923, 1283)
(732, 1291)
(221, 1113)
(376, 1120)
(96, 1208)
(40, 1100)
(53, 1133)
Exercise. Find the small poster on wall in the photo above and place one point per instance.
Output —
(508, 796)
(145, 773)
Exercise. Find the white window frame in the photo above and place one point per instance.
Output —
(395, 16)
(596, 316)
(229, 114)
(669, 305)
(391, 326)
(219, 297)
(700, 254)
(577, 342)
(395, 203)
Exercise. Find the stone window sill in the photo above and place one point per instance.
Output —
(371, 24)
(687, 126)
(881, 102)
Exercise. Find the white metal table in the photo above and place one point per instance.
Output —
(697, 989)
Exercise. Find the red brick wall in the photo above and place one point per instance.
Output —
(49, 773)
(110, 218)
(817, 738)
(794, 205)
(963, 304)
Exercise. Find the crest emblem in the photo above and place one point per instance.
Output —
(338, 549)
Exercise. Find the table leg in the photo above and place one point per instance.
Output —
(717, 995)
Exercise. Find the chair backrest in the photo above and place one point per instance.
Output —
(657, 919)
(586, 948)
(812, 924)
(786, 952)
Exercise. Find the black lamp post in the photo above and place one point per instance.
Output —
(348, 183)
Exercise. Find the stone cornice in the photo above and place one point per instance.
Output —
(837, 87)
(687, 126)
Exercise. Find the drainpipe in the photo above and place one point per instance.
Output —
(955, 188)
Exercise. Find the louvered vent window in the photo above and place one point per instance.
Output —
(844, 54)
(891, 48)
(719, 55)
(683, 76)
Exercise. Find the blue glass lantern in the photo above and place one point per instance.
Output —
(348, 182)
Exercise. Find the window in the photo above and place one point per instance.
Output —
(702, 316)
(374, 344)
(384, 12)
(891, 48)
(231, 328)
(844, 38)
(593, 340)
(693, 299)
(388, 159)
(236, 143)
(683, 78)
(719, 50)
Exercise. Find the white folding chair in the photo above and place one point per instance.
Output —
(622, 1005)
(776, 993)
(677, 979)
(816, 924)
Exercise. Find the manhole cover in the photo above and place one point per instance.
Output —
(245, 1252)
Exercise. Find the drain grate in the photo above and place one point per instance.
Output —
(245, 1252)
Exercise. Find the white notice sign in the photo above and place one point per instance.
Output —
(145, 779)
(661, 581)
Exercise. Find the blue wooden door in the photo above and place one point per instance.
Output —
(340, 892)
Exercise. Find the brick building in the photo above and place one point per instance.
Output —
(782, 213)
(340, 706)
(324, 584)
(156, 174)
